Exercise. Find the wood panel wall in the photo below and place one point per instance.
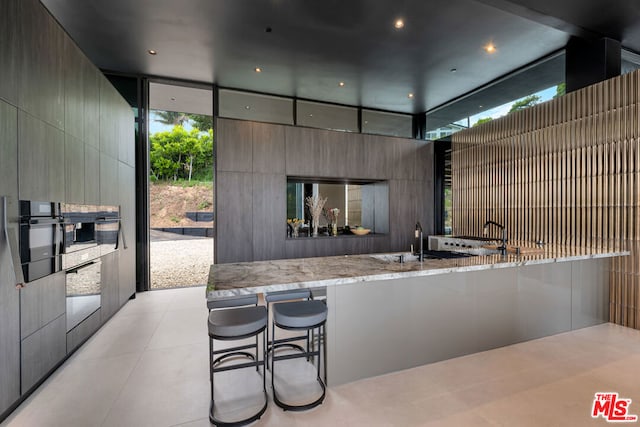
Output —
(66, 135)
(253, 161)
(566, 172)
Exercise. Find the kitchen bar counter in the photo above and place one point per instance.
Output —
(385, 316)
(276, 275)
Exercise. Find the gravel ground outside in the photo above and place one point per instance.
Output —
(180, 263)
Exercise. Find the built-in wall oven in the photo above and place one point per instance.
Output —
(41, 239)
(89, 232)
(80, 241)
(70, 237)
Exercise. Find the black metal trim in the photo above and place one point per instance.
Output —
(143, 244)
(216, 104)
(419, 122)
(294, 106)
(440, 151)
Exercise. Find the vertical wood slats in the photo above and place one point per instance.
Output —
(566, 172)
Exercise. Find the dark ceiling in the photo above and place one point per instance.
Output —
(315, 44)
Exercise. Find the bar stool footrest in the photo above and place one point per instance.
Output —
(249, 420)
(306, 406)
(234, 354)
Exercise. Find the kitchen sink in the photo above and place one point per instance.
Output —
(428, 254)
(407, 257)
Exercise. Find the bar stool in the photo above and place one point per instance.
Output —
(281, 296)
(299, 316)
(232, 319)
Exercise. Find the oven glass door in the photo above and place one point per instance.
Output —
(40, 246)
(42, 241)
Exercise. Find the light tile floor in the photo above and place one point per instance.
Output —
(148, 367)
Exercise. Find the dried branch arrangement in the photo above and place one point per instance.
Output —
(315, 205)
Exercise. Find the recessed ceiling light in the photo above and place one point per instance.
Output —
(341, 84)
(173, 98)
(480, 106)
(399, 24)
(246, 107)
(152, 52)
(410, 95)
(453, 70)
(258, 70)
(310, 115)
(490, 48)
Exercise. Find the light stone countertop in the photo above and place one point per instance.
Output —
(268, 276)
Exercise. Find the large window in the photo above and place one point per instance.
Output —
(488, 114)
(235, 104)
(383, 123)
(326, 116)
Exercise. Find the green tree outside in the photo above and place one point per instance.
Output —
(482, 120)
(526, 102)
(181, 154)
(171, 118)
(202, 122)
(199, 121)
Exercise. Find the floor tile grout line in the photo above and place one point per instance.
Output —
(138, 361)
(119, 393)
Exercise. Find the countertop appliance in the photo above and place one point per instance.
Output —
(453, 243)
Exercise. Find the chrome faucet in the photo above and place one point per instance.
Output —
(418, 235)
(485, 231)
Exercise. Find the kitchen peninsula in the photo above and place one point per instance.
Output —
(385, 315)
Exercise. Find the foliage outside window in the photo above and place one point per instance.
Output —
(181, 154)
(185, 151)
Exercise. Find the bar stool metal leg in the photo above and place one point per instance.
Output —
(307, 354)
(256, 362)
(307, 316)
(229, 322)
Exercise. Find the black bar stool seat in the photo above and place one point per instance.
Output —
(300, 314)
(239, 322)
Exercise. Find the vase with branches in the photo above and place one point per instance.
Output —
(332, 215)
(315, 205)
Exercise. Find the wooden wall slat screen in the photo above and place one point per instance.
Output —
(566, 172)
